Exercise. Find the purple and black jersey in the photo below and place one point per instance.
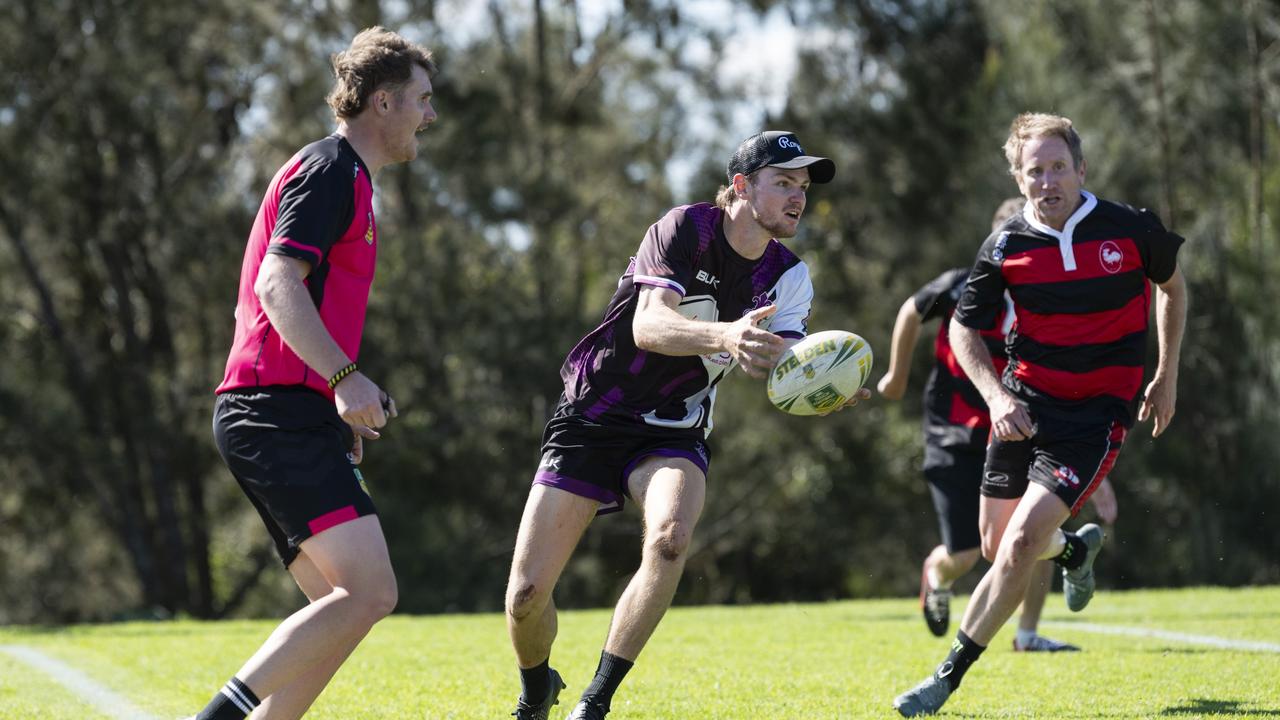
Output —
(610, 381)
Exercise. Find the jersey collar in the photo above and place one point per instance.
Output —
(1068, 230)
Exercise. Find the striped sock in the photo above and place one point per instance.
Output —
(233, 702)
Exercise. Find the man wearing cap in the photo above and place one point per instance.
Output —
(710, 288)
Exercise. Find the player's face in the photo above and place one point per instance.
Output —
(777, 199)
(1050, 180)
(411, 113)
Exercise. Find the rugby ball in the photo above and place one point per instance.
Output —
(820, 373)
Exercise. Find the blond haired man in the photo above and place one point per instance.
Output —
(1079, 271)
(293, 409)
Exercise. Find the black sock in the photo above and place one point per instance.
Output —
(964, 652)
(233, 702)
(608, 676)
(1073, 554)
(536, 682)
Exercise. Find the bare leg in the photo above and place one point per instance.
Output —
(948, 567)
(352, 558)
(671, 492)
(1002, 588)
(1037, 590)
(553, 523)
(293, 700)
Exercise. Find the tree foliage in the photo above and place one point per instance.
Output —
(139, 137)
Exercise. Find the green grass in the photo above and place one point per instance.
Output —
(832, 660)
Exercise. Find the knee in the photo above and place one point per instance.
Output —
(381, 599)
(990, 546)
(371, 601)
(524, 598)
(1022, 548)
(670, 541)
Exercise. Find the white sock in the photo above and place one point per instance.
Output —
(1024, 637)
(935, 580)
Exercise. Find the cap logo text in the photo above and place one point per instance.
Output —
(786, 142)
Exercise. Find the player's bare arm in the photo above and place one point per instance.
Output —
(906, 329)
(659, 327)
(285, 300)
(1171, 317)
(1009, 420)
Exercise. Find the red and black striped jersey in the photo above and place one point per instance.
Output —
(955, 415)
(319, 209)
(1082, 297)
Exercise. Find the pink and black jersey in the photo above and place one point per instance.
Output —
(1078, 348)
(955, 415)
(318, 208)
(610, 381)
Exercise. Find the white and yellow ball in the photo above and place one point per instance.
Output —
(820, 373)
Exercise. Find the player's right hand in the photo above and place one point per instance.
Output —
(756, 350)
(361, 404)
(1010, 421)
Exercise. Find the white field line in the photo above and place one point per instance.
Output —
(1208, 640)
(101, 698)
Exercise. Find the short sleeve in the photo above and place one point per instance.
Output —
(938, 297)
(666, 254)
(1159, 247)
(795, 301)
(315, 208)
(982, 299)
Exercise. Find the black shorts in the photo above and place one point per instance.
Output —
(594, 460)
(954, 478)
(1070, 459)
(288, 449)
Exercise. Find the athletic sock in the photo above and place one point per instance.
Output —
(536, 682)
(233, 702)
(608, 676)
(935, 580)
(964, 652)
(1073, 554)
(1024, 638)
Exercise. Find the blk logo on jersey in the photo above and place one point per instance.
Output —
(706, 277)
(1067, 476)
(1111, 257)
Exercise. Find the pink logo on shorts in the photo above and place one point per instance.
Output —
(1111, 257)
(1067, 476)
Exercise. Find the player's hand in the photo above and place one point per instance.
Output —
(862, 394)
(891, 387)
(357, 448)
(362, 404)
(756, 350)
(1158, 402)
(1104, 502)
(1009, 419)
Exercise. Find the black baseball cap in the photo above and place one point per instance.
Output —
(780, 149)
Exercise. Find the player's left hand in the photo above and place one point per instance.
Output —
(1158, 402)
(862, 394)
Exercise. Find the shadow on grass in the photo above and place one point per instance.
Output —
(1201, 707)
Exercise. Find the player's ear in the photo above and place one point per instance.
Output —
(740, 185)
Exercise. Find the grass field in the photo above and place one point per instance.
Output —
(832, 660)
